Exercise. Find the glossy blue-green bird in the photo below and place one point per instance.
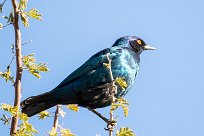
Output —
(89, 85)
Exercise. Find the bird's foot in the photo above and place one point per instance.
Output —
(111, 125)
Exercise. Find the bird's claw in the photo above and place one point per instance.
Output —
(111, 125)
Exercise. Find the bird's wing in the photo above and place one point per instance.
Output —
(95, 61)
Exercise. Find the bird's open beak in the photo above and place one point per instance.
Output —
(147, 47)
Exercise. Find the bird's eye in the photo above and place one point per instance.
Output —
(139, 42)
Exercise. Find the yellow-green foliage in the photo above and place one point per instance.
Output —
(32, 67)
(9, 108)
(66, 132)
(23, 4)
(121, 102)
(43, 114)
(53, 132)
(61, 112)
(73, 107)
(125, 131)
(63, 132)
(33, 13)
(7, 75)
(121, 82)
(1, 26)
(107, 65)
(10, 18)
(1, 8)
(24, 129)
(5, 119)
(24, 19)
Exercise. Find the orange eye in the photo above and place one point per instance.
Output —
(139, 42)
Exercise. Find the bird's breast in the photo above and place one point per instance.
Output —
(126, 67)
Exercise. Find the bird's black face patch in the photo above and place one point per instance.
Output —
(137, 44)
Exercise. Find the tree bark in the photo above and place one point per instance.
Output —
(17, 83)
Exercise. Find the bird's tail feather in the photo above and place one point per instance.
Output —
(36, 104)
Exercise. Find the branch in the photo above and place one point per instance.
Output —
(114, 89)
(55, 123)
(17, 84)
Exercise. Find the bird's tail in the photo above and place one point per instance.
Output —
(36, 104)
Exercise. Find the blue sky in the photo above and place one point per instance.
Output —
(167, 96)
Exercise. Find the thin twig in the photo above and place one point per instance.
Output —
(11, 61)
(6, 25)
(109, 67)
(3, 3)
(113, 91)
(98, 114)
(55, 123)
(27, 42)
(14, 122)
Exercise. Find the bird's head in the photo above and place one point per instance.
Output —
(133, 42)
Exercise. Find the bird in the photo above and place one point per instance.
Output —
(89, 85)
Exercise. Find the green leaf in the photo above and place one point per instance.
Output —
(125, 110)
(73, 107)
(9, 108)
(121, 82)
(23, 116)
(121, 102)
(29, 59)
(24, 18)
(23, 4)
(1, 8)
(5, 17)
(26, 129)
(32, 67)
(52, 132)
(35, 73)
(5, 119)
(41, 67)
(7, 75)
(13, 110)
(61, 112)
(43, 114)
(66, 132)
(10, 18)
(125, 131)
(107, 65)
(34, 14)
(1, 26)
